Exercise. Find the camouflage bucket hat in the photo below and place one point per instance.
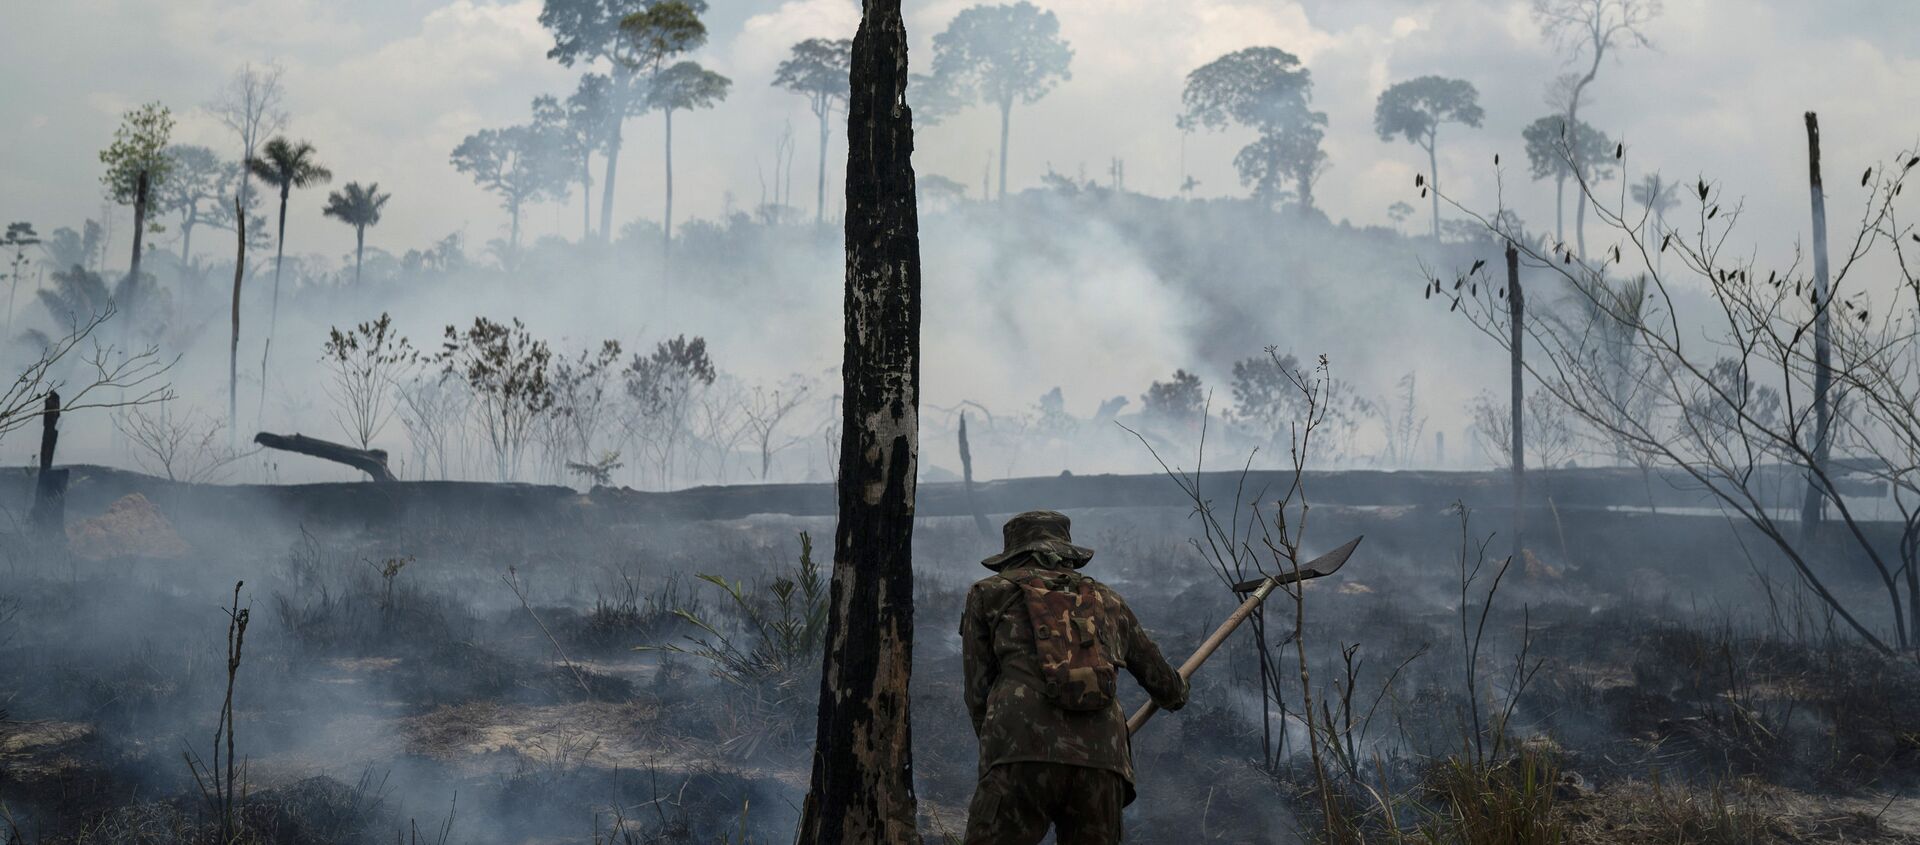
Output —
(1039, 531)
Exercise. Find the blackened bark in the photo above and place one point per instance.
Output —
(980, 522)
(1814, 502)
(48, 516)
(862, 783)
(1516, 316)
(139, 230)
(233, 350)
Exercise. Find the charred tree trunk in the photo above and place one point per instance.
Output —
(49, 513)
(1516, 316)
(862, 782)
(966, 478)
(233, 349)
(139, 230)
(373, 462)
(1814, 501)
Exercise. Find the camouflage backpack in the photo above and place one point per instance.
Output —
(1067, 617)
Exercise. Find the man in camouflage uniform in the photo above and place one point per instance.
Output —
(1041, 764)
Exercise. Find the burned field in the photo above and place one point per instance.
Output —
(477, 680)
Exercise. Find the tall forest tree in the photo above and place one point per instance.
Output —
(358, 207)
(817, 69)
(253, 107)
(997, 55)
(137, 163)
(861, 788)
(1551, 153)
(664, 30)
(1265, 89)
(590, 32)
(1587, 30)
(516, 164)
(284, 165)
(686, 86)
(192, 189)
(1414, 109)
(579, 127)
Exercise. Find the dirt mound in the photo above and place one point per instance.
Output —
(131, 527)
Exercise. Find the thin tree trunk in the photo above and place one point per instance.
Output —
(1572, 134)
(613, 169)
(1813, 504)
(139, 230)
(1580, 221)
(513, 231)
(1006, 117)
(666, 228)
(586, 196)
(980, 522)
(359, 250)
(233, 349)
(273, 314)
(1433, 175)
(186, 236)
(47, 516)
(862, 780)
(1560, 208)
(820, 204)
(1516, 316)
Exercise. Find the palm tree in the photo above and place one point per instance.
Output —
(357, 207)
(286, 165)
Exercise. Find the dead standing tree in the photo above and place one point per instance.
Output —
(1737, 402)
(1812, 505)
(862, 782)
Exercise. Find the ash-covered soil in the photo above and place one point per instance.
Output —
(480, 683)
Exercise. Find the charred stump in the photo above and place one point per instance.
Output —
(862, 781)
(373, 462)
(980, 522)
(48, 516)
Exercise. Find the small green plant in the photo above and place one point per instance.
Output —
(779, 629)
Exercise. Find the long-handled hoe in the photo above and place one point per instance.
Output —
(1257, 591)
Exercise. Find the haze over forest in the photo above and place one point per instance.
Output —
(386, 90)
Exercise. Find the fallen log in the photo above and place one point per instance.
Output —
(373, 462)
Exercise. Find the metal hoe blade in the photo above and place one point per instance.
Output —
(1319, 567)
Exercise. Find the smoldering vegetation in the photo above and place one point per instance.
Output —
(1626, 679)
(1683, 611)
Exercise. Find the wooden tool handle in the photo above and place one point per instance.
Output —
(1206, 650)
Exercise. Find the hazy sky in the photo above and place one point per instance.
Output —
(386, 88)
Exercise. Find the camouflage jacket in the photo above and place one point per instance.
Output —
(1003, 683)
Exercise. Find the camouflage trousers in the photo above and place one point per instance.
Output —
(1015, 802)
